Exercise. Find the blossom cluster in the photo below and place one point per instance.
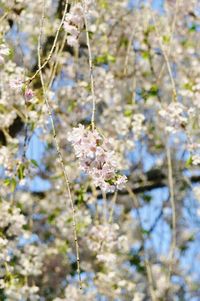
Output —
(23, 293)
(105, 234)
(137, 125)
(4, 51)
(73, 24)
(11, 219)
(132, 84)
(174, 116)
(18, 86)
(104, 239)
(73, 293)
(97, 158)
(6, 159)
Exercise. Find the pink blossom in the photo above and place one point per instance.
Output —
(72, 41)
(121, 182)
(73, 24)
(28, 94)
(71, 29)
(97, 158)
(75, 20)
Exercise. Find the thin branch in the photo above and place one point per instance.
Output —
(91, 70)
(165, 55)
(172, 201)
(113, 206)
(170, 37)
(146, 260)
(49, 109)
(4, 16)
(130, 43)
(53, 46)
(55, 65)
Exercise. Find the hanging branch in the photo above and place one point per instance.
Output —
(172, 201)
(66, 178)
(52, 48)
(170, 37)
(165, 55)
(91, 69)
(146, 260)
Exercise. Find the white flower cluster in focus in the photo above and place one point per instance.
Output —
(97, 158)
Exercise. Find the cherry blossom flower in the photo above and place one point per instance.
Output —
(28, 94)
(174, 116)
(132, 94)
(72, 41)
(73, 24)
(137, 125)
(96, 158)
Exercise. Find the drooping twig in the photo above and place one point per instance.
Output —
(67, 183)
(171, 35)
(146, 260)
(172, 201)
(53, 46)
(165, 55)
(91, 69)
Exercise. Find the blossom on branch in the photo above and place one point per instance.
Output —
(28, 94)
(73, 24)
(97, 158)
